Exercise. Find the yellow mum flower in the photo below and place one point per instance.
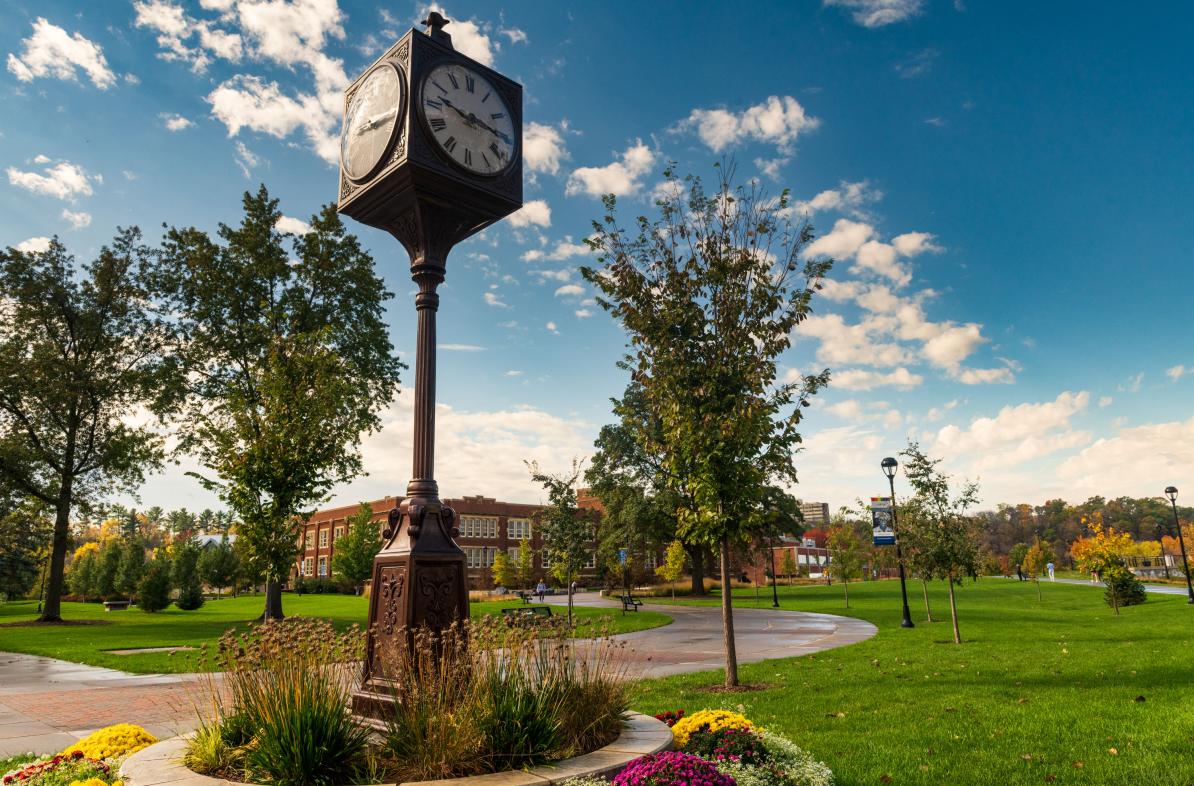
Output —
(92, 782)
(112, 741)
(707, 720)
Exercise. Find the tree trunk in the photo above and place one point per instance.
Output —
(273, 602)
(727, 617)
(52, 610)
(846, 590)
(953, 611)
(924, 585)
(570, 599)
(1038, 589)
(696, 556)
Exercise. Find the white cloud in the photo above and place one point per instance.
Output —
(515, 35)
(543, 148)
(175, 122)
(984, 376)
(63, 180)
(1137, 461)
(778, 121)
(248, 102)
(495, 301)
(52, 52)
(570, 290)
(851, 344)
(877, 13)
(514, 373)
(552, 327)
(861, 379)
(771, 166)
(859, 240)
(564, 274)
(1105, 401)
(564, 249)
(292, 225)
(246, 159)
(469, 36)
(583, 313)
(460, 348)
(843, 241)
(77, 220)
(1131, 384)
(1177, 372)
(622, 178)
(849, 198)
(1017, 434)
(534, 213)
(175, 29)
(34, 245)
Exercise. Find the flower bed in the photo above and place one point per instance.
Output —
(92, 761)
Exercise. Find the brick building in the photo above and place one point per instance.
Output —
(486, 526)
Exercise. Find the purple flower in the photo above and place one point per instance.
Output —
(672, 768)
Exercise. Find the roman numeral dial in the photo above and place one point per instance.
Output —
(467, 119)
(371, 121)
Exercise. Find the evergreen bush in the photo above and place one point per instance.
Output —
(1124, 589)
(153, 593)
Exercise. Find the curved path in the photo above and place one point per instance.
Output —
(693, 641)
(47, 704)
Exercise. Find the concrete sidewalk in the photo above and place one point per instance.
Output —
(47, 704)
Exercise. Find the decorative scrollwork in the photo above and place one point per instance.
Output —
(393, 580)
(437, 593)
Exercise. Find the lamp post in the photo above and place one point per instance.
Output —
(774, 591)
(890, 466)
(1171, 492)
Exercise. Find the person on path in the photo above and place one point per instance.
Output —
(541, 590)
(1049, 567)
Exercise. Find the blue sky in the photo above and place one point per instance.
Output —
(1006, 186)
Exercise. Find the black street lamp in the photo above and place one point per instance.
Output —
(774, 591)
(890, 466)
(1171, 492)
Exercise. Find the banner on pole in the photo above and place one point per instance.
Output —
(881, 529)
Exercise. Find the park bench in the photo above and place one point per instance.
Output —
(116, 605)
(531, 614)
(525, 596)
(630, 603)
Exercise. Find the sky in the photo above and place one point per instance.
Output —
(1005, 187)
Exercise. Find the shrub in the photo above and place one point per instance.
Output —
(727, 745)
(112, 741)
(1124, 589)
(190, 595)
(209, 753)
(185, 575)
(707, 720)
(153, 593)
(286, 686)
(672, 768)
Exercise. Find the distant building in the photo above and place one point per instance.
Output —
(816, 514)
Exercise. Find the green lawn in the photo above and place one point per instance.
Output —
(1039, 692)
(135, 629)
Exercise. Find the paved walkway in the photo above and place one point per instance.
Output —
(47, 704)
(1160, 589)
(693, 641)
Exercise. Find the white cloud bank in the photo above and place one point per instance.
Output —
(52, 52)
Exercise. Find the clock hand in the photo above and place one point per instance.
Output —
(476, 122)
(377, 121)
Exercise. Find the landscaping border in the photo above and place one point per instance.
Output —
(162, 763)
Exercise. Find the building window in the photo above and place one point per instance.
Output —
(480, 556)
(514, 552)
(323, 566)
(337, 534)
(591, 562)
(518, 529)
(651, 559)
(308, 566)
(323, 539)
(310, 539)
(478, 527)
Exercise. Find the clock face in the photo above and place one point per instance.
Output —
(371, 121)
(468, 120)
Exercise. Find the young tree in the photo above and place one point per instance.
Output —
(567, 532)
(107, 573)
(710, 295)
(352, 559)
(1015, 559)
(289, 363)
(524, 566)
(675, 560)
(1102, 554)
(81, 578)
(219, 566)
(847, 551)
(153, 592)
(1035, 561)
(80, 349)
(185, 575)
(25, 534)
(132, 566)
(942, 537)
(787, 565)
(501, 570)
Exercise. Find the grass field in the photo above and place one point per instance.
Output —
(1058, 691)
(135, 629)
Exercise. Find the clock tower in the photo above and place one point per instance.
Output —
(431, 152)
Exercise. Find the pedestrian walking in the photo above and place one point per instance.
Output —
(541, 590)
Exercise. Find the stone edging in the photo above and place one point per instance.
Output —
(162, 763)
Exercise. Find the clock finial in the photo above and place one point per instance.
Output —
(435, 22)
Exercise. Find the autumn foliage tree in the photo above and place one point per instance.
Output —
(1036, 561)
(709, 294)
(1102, 554)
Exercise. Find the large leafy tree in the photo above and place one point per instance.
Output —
(24, 539)
(936, 527)
(81, 349)
(289, 363)
(709, 294)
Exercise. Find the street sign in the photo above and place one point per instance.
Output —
(881, 527)
(621, 556)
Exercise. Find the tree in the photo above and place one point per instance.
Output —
(1015, 558)
(153, 592)
(185, 574)
(847, 551)
(289, 363)
(1036, 561)
(82, 575)
(710, 294)
(352, 559)
(80, 348)
(567, 533)
(132, 566)
(501, 570)
(1102, 554)
(107, 573)
(24, 535)
(675, 560)
(219, 566)
(524, 566)
(787, 565)
(942, 534)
